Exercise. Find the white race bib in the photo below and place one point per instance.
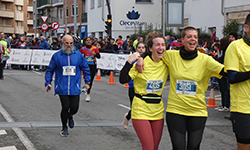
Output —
(186, 87)
(69, 70)
(89, 58)
(154, 86)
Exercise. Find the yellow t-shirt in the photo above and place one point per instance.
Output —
(189, 81)
(151, 81)
(237, 58)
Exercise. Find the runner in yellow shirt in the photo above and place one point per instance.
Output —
(189, 71)
(237, 65)
(147, 110)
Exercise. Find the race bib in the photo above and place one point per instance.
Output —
(154, 86)
(89, 58)
(69, 70)
(186, 87)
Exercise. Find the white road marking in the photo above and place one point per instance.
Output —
(3, 132)
(25, 140)
(37, 72)
(121, 105)
(8, 148)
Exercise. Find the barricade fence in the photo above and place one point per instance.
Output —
(108, 61)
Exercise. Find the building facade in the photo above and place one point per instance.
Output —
(16, 16)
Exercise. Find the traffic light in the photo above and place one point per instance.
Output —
(108, 25)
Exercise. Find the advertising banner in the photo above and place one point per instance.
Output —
(20, 56)
(42, 57)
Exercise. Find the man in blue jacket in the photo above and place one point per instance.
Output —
(67, 65)
(43, 43)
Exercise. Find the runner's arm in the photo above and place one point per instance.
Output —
(236, 77)
(124, 76)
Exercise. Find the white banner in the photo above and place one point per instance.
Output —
(111, 61)
(108, 61)
(20, 56)
(42, 57)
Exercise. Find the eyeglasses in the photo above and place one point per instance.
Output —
(67, 43)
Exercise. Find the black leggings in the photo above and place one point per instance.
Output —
(70, 106)
(92, 74)
(131, 94)
(1, 70)
(179, 125)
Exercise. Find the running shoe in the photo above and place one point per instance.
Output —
(219, 107)
(224, 109)
(64, 133)
(71, 122)
(125, 122)
(88, 98)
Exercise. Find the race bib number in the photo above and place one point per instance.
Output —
(69, 70)
(154, 86)
(186, 87)
(89, 58)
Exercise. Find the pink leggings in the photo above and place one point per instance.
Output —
(149, 132)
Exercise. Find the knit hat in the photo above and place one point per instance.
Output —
(234, 34)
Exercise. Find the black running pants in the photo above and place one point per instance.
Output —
(70, 106)
(179, 125)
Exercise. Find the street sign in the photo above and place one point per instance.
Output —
(44, 26)
(55, 25)
(44, 18)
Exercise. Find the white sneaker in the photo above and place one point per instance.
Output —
(125, 122)
(88, 98)
(224, 109)
(219, 107)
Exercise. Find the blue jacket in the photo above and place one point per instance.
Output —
(44, 45)
(67, 84)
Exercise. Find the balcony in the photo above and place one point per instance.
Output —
(6, 14)
(19, 2)
(7, 1)
(19, 15)
(84, 17)
(56, 3)
(43, 3)
(30, 22)
(19, 30)
(7, 29)
(30, 8)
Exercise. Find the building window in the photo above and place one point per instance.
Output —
(19, 8)
(28, 2)
(143, 1)
(28, 15)
(67, 11)
(19, 23)
(72, 10)
(4, 22)
(3, 6)
(92, 4)
(60, 13)
(99, 3)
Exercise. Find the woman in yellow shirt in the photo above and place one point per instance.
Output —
(189, 71)
(147, 111)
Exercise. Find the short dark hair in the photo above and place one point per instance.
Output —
(247, 21)
(120, 36)
(183, 34)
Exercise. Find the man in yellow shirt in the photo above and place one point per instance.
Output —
(7, 49)
(237, 65)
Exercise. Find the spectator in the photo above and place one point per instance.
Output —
(111, 45)
(172, 38)
(36, 42)
(55, 45)
(29, 44)
(129, 47)
(141, 39)
(126, 41)
(136, 41)
(49, 40)
(120, 42)
(43, 43)
(233, 36)
(14, 41)
(77, 44)
(167, 42)
(22, 43)
(176, 44)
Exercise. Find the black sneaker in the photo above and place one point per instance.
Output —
(64, 133)
(71, 122)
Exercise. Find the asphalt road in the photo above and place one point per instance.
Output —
(29, 118)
